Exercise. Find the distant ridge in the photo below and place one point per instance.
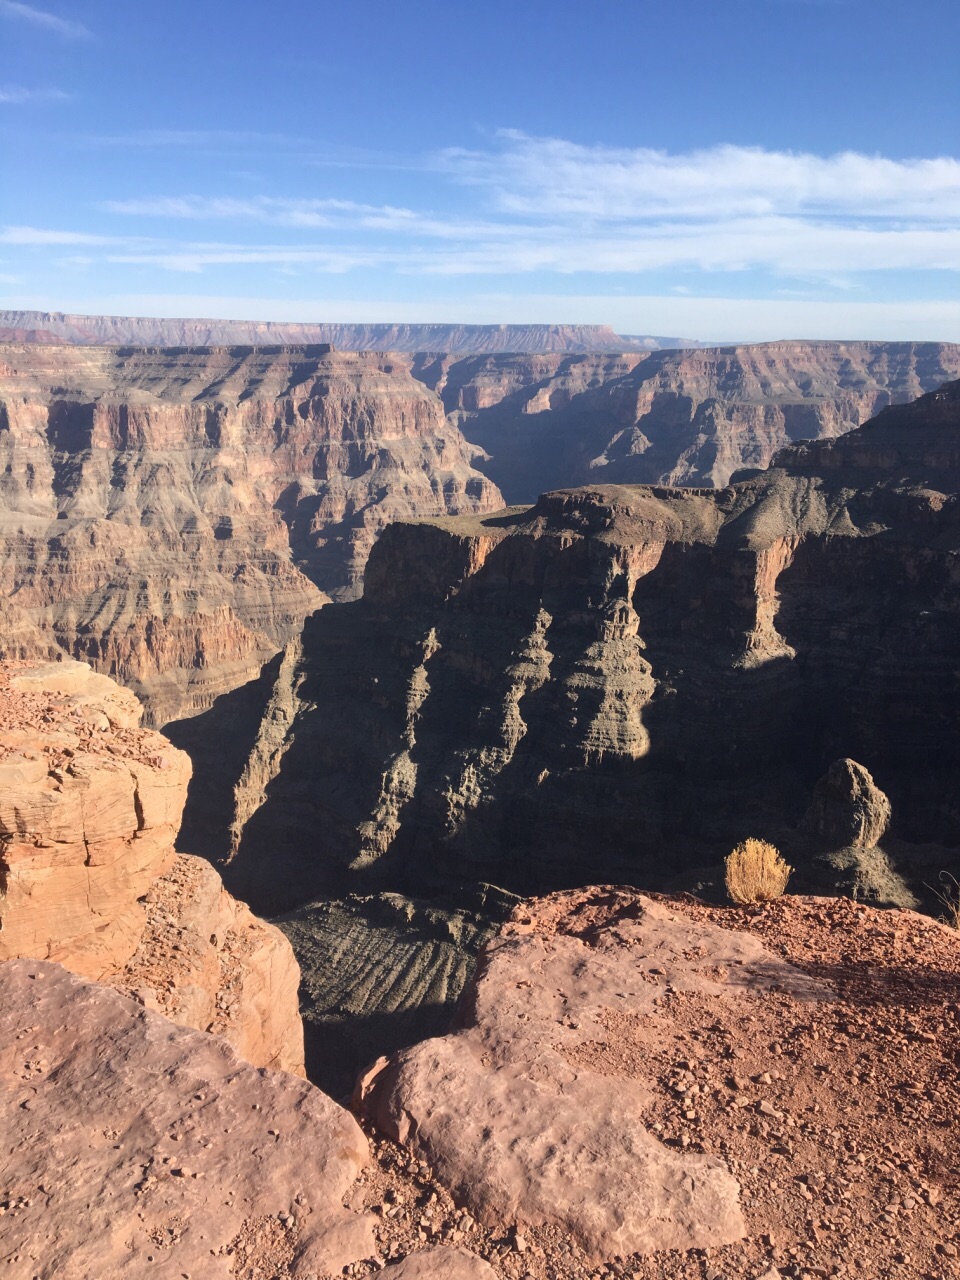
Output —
(460, 339)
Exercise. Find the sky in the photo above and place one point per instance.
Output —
(719, 169)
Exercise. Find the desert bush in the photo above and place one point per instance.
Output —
(949, 898)
(755, 872)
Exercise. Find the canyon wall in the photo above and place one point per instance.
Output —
(629, 679)
(55, 326)
(172, 516)
(90, 805)
(671, 417)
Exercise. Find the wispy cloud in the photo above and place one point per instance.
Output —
(537, 176)
(39, 236)
(543, 205)
(68, 28)
(16, 94)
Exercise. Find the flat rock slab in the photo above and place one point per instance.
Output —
(525, 1127)
(441, 1263)
(134, 1147)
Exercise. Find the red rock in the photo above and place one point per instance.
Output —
(88, 818)
(135, 1147)
(522, 1130)
(441, 1263)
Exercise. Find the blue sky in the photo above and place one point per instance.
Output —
(719, 168)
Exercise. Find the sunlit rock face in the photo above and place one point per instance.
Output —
(90, 806)
(172, 516)
(690, 417)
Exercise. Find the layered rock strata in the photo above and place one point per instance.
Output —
(173, 515)
(90, 805)
(672, 417)
(629, 678)
(384, 971)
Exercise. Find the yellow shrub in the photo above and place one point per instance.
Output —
(756, 872)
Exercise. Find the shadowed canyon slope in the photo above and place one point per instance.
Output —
(629, 678)
(671, 417)
(172, 516)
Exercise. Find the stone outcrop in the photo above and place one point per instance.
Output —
(638, 1086)
(173, 515)
(524, 1135)
(848, 809)
(90, 805)
(135, 1147)
(628, 678)
(672, 417)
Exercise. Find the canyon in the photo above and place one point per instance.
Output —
(632, 678)
(173, 515)
(467, 712)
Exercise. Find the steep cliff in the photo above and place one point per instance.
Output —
(90, 805)
(629, 678)
(671, 417)
(172, 516)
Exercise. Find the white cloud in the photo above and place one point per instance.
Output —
(560, 207)
(549, 207)
(548, 176)
(65, 27)
(16, 94)
(40, 236)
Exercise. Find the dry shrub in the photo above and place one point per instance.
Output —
(949, 898)
(756, 872)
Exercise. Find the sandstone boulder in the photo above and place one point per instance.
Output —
(135, 1147)
(522, 1125)
(441, 1263)
(848, 809)
(90, 806)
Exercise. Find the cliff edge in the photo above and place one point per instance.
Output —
(90, 806)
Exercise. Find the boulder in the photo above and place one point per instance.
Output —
(848, 809)
(136, 1147)
(519, 1124)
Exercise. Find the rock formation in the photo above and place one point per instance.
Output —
(384, 971)
(653, 1088)
(630, 679)
(172, 516)
(45, 326)
(848, 808)
(90, 805)
(672, 417)
(136, 1147)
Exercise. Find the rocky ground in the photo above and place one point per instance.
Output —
(835, 1113)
